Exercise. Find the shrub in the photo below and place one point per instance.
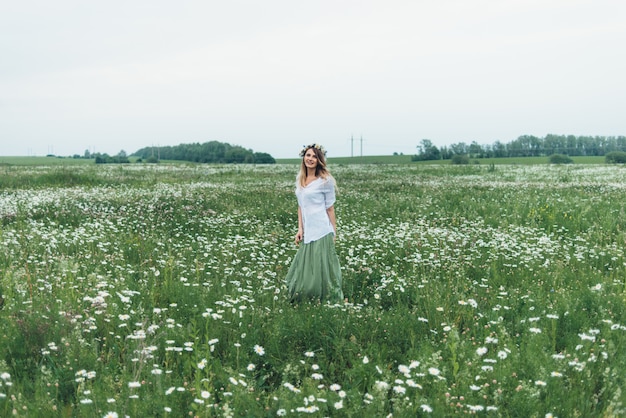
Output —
(560, 159)
(460, 159)
(615, 157)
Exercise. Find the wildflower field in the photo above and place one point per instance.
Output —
(156, 291)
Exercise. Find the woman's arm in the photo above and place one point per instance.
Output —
(300, 233)
(331, 216)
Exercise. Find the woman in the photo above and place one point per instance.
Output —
(315, 272)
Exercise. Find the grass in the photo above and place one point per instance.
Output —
(368, 159)
(406, 159)
(47, 161)
(158, 290)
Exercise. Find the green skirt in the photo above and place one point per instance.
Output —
(315, 273)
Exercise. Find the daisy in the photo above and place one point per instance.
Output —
(434, 371)
(399, 389)
(413, 384)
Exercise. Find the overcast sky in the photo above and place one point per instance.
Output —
(274, 75)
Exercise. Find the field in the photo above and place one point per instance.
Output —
(47, 161)
(158, 291)
(367, 159)
(406, 159)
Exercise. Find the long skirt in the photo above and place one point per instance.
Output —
(315, 273)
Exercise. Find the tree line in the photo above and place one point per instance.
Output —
(208, 152)
(525, 146)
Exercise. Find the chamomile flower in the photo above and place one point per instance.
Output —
(434, 371)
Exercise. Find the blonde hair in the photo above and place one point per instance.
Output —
(320, 169)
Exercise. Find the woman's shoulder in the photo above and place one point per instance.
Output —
(327, 183)
(328, 179)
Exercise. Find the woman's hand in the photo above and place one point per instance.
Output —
(299, 236)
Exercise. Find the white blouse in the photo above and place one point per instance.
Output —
(314, 199)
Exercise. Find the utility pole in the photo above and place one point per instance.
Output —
(361, 146)
(352, 146)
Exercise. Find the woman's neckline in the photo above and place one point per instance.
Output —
(307, 184)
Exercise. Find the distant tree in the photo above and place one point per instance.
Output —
(107, 159)
(87, 154)
(460, 159)
(459, 148)
(427, 151)
(238, 155)
(446, 153)
(499, 149)
(560, 159)
(263, 158)
(475, 150)
(615, 157)
(208, 152)
(529, 145)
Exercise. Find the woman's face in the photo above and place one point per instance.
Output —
(310, 158)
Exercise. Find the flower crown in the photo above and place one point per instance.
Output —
(314, 145)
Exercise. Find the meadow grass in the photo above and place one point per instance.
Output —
(366, 159)
(158, 290)
(47, 161)
(406, 159)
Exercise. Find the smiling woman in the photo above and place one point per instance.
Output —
(315, 272)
